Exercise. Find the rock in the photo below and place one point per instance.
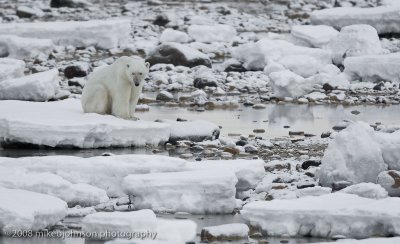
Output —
(296, 133)
(353, 41)
(227, 232)
(79, 69)
(390, 180)
(328, 87)
(259, 106)
(250, 149)
(161, 20)
(307, 164)
(165, 96)
(28, 12)
(178, 54)
(241, 143)
(201, 83)
(69, 3)
(277, 165)
(194, 131)
(232, 150)
(259, 130)
(235, 68)
(368, 190)
(339, 185)
(154, 2)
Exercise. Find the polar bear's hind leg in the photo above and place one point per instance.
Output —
(97, 101)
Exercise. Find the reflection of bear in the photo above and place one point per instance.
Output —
(115, 89)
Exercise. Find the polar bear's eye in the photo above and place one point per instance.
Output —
(140, 73)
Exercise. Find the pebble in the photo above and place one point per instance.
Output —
(259, 130)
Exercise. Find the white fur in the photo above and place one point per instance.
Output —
(115, 89)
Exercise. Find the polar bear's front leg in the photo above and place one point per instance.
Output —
(135, 94)
(120, 106)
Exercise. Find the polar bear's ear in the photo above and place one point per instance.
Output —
(127, 65)
(147, 64)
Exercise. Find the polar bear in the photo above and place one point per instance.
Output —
(115, 89)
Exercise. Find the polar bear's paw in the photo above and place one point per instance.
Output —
(133, 118)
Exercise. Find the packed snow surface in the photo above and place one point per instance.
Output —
(385, 19)
(63, 124)
(105, 34)
(38, 87)
(326, 216)
(190, 191)
(26, 210)
(11, 68)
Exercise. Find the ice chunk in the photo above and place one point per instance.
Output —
(51, 184)
(385, 19)
(374, 67)
(103, 225)
(191, 191)
(390, 180)
(196, 131)
(212, 33)
(176, 231)
(353, 156)
(248, 172)
(288, 84)
(303, 65)
(314, 35)
(63, 124)
(24, 48)
(225, 232)
(326, 216)
(26, 210)
(171, 35)
(354, 40)
(368, 190)
(105, 172)
(257, 55)
(11, 68)
(313, 191)
(105, 34)
(38, 87)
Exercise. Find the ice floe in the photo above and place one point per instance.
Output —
(11, 68)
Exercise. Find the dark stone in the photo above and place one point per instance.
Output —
(201, 83)
(339, 185)
(302, 186)
(222, 10)
(241, 143)
(326, 134)
(75, 71)
(235, 68)
(379, 86)
(170, 54)
(181, 120)
(296, 133)
(327, 87)
(355, 112)
(68, 4)
(248, 103)
(161, 20)
(306, 164)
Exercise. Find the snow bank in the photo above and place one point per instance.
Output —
(119, 222)
(326, 216)
(367, 190)
(225, 232)
(313, 35)
(393, 240)
(105, 34)
(248, 172)
(354, 40)
(353, 156)
(103, 172)
(385, 19)
(191, 191)
(212, 33)
(257, 55)
(24, 48)
(25, 210)
(171, 35)
(54, 185)
(196, 131)
(11, 68)
(37, 87)
(374, 67)
(390, 180)
(288, 84)
(63, 124)
(390, 145)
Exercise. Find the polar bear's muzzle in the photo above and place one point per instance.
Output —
(136, 81)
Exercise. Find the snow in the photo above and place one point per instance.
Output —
(171, 35)
(374, 67)
(392, 240)
(354, 40)
(105, 34)
(288, 84)
(248, 172)
(24, 48)
(313, 191)
(390, 180)
(54, 185)
(227, 231)
(38, 87)
(367, 190)
(11, 68)
(63, 124)
(119, 222)
(197, 131)
(353, 156)
(326, 216)
(25, 210)
(176, 231)
(257, 55)
(191, 191)
(103, 172)
(303, 65)
(385, 19)
(212, 33)
(313, 35)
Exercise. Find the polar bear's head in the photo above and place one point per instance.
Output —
(136, 70)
